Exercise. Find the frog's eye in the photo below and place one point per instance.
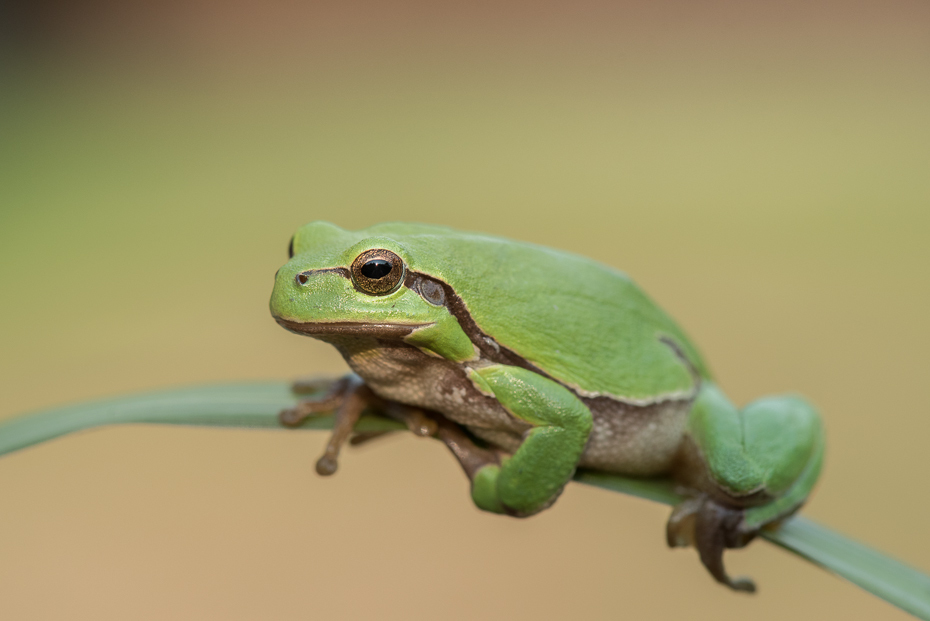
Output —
(290, 248)
(377, 271)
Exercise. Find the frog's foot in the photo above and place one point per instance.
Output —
(755, 466)
(364, 437)
(320, 405)
(711, 528)
(347, 398)
(356, 400)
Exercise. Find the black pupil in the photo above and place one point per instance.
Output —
(376, 268)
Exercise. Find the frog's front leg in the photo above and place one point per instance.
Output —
(347, 398)
(751, 467)
(533, 477)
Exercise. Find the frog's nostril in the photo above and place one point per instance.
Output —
(302, 278)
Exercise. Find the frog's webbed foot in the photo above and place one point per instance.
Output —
(347, 398)
(333, 392)
(711, 528)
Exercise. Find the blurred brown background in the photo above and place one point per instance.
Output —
(762, 169)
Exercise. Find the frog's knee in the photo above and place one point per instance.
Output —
(763, 448)
(784, 436)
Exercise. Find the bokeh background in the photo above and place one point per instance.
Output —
(762, 169)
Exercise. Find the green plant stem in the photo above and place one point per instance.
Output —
(257, 405)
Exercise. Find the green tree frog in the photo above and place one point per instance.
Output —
(529, 363)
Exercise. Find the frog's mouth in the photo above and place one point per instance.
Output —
(350, 328)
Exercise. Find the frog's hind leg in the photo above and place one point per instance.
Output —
(473, 459)
(751, 468)
(470, 456)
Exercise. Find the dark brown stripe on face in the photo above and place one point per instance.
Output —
(307, 274)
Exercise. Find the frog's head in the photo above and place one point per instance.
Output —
(341, 283)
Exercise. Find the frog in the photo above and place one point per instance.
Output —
(530, 363)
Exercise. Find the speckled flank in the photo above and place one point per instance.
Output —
(632, 439)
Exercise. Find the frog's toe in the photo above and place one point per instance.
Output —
(418, 421)
(716, 528)
(364, 437)
(291, 417)
(327, 465)
(314, 385)
(328, 396)
(296, 416)
(679, 531)
(711, 528)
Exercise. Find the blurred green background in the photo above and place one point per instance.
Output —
(763, 171)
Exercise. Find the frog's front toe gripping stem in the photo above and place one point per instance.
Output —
(347, 398)
(711, 528)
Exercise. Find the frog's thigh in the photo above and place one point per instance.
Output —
(772, 447)
(545, 461)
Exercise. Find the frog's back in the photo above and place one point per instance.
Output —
(583, 323)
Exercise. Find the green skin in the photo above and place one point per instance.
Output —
(558, 362)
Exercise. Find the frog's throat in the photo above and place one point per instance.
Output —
(350, 328)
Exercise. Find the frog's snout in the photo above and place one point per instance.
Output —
(304, 293)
